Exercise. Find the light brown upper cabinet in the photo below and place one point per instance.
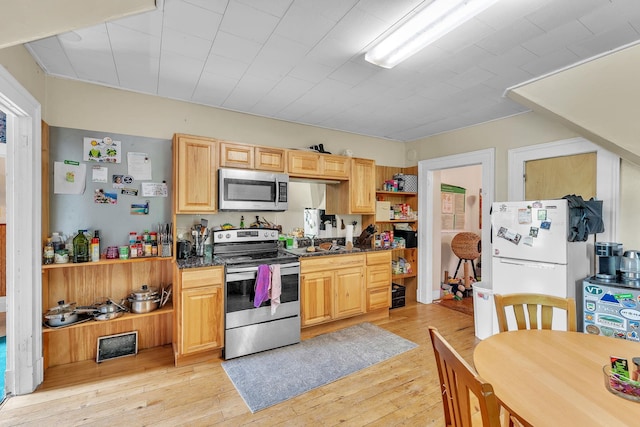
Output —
(270, 159)
(305, 164)
(356, 196)
(245, 156)
(194, 174)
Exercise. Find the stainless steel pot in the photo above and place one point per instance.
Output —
(144, 306)
(62, 314)
(107, 307)
(144, 300)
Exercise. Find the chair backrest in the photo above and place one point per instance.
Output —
(458, 380)
(529, 303)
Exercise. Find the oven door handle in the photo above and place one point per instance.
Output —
(245, 273)
(241, 275)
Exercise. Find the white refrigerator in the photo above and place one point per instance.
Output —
(531, 253)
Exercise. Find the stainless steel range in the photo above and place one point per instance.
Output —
(250, 329)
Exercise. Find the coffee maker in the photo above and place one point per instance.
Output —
(608, 260)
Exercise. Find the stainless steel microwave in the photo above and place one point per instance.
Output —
(247, 190)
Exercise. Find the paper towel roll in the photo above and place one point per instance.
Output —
(349, 233)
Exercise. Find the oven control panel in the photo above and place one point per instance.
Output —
(245, 235)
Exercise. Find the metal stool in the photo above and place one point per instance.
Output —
(467, 247)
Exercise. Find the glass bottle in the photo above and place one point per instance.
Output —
(48, 253)
(80, 247)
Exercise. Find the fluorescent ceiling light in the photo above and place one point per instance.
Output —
(423, 28)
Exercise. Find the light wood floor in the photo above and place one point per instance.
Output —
(148, 390)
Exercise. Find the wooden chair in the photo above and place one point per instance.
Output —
(530, 303)
(459, 380)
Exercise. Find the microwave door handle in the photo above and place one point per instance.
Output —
(275, 202)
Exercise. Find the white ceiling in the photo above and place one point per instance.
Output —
(302, 60)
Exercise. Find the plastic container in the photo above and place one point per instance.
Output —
(483, 309)
(623, 387)
(112, 252)
(57, 241)
(61, 256)
(123, 252)
(398, 293)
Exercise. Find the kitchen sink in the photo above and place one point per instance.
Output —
(334, 250)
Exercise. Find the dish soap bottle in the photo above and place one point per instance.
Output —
(80, 247)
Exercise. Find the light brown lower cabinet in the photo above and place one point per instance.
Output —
(201, 310)
(331, 287)
(378, 280)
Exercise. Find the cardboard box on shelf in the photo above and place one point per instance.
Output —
(382, 211)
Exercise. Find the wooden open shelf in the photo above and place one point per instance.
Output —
(403, 276)
(167, 309)
(397, 193)
(105, 261)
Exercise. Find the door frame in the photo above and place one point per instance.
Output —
(24, 370)
(607, 175)
(429, 201)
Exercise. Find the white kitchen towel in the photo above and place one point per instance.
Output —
(276, 287)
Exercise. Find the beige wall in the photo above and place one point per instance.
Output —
(71, 104)
(512, 132)
(86, 106)
(629, 225)
(19, 62)
(598, 98)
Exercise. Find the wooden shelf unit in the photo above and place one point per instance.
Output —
(384, 173)
(87, 283)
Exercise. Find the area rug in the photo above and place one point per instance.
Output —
(465, 305)
(267, 378)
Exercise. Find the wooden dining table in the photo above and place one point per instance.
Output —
(556, 378)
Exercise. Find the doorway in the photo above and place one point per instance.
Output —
(24, 369)
(429, 209)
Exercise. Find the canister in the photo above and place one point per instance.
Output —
(124, 252)
(61, 256)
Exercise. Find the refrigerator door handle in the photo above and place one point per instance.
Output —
(530, 264)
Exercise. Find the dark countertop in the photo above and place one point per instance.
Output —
(196, 262)
(302, 252)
